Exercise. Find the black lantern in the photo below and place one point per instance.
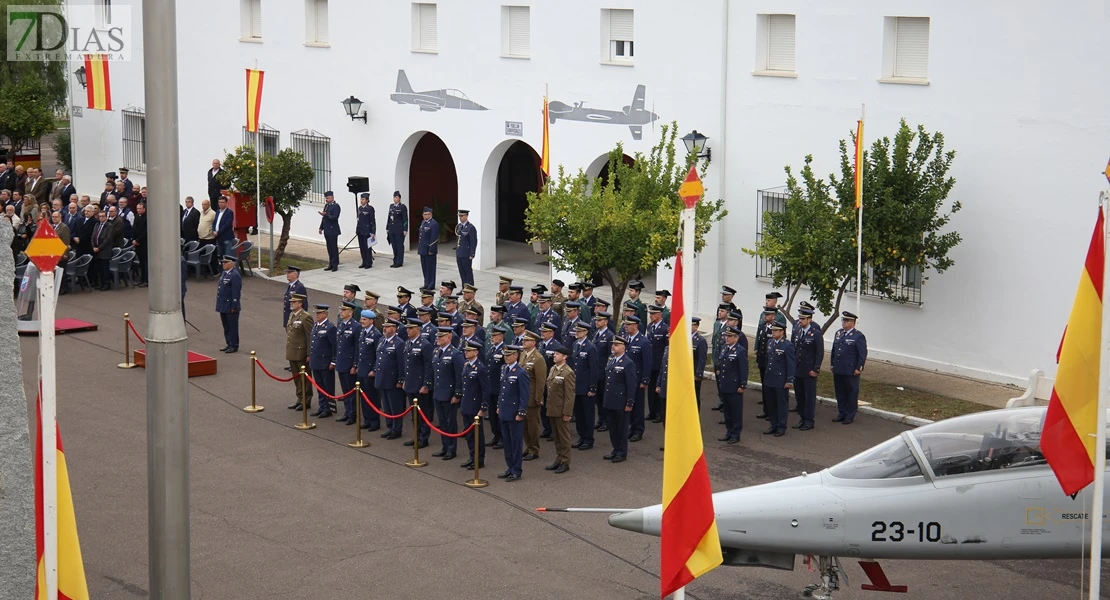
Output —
(352, 105)
(80, 73)
(695, 142)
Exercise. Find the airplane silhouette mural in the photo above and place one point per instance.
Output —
(431, 100)
(633, 115)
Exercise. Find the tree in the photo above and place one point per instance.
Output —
(30, 90)
(286, 176)
(624, 226)
(812, 242)
(63, 149)
(25, 111)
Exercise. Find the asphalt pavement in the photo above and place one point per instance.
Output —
(281, 513)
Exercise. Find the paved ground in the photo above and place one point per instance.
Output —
(279, 513)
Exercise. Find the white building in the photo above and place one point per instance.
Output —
(1018, 91)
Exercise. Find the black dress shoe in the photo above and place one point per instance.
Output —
(657, 420)
(603, 428)
(780, 432)
(350, 421)
(296, 406)
(387, 434)
(394, 435)
(586, 447)
(440, 453)
(576, 444)
(608, 456)
(846, 422)
(371, 427)
(288, 369)
(651, 417)
(617, 459)
(493, 443)
(504, 475)
(408, 442)
(723, 438)
(838, 419)
(394, 266)
(232, 350)
(498, 446)
(733, 440)
(341, 418)
(551, 467)
(449, 456)
(423, 444)
(512, 477)
(761, 416)
(719, 406)
(805, 428)
(325, 415)
(467, 465)
(599, 426)
(545, 435)
(562, 468)
(797, 425)
(770, 431)
(529, 456)
(720, 422)
(316, 413)
(635, 438)
(224, 349)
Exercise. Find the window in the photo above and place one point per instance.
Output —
(616, 36)
(772, 200)
(250, 21)
(515, 35)
(316, 148)
(103, 13)
(775, 45)
(316, 22)
(134, 139)
(906, 50)
(424, 27)
(271, 139)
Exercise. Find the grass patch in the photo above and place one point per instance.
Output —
(303, 262)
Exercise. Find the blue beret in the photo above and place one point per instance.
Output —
(369, 314)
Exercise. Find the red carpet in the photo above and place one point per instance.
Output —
(199, 364)
(63, 326)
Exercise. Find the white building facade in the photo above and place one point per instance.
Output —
(453, 94)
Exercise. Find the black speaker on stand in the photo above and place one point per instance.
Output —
(356, 185)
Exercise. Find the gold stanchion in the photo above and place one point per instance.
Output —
(477, 482)
(359, 442)
(304, 425)
(253, 408)
(127, 364)
(416, 462)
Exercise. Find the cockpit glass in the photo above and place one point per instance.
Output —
(987, 441)
(890, 460)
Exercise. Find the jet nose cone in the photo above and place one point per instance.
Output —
(629, 521)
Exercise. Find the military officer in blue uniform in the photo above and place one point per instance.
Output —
(639, 350)
(547, 313)
(451, 309)
(657, 334)
(601, 335)
(346, 358)
(292, 275)
(404, 302)
(426, 315)
(467, 235)
(732, 377)
(573, 310)
(849, 353)
(472, 333)
(397, 229)
(388, 369)
(475, 401)
(495, 360)
(418, 377)
(515, 308)
(428, 247)
(329, 228)
(447, 365)
(622, 380)
(520, 324)
(229, 294)
(781, 365)
(321, 359)
(810, 347)
(471, 314)
(445, 320)
(584, 361)
(512, 408)
(701, 354)
(368, 339)
(367, 231)
(762, 337)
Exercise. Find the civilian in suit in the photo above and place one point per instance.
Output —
(36, 185)
(20, 178)
(366, 230)
(116, 225)
(213, 181)
(139, 242)
(109, 190)
(61, 229)
(190, 221)
(127, 215)
(83, 234)
(72, 217)
(7, 177)
(101, 250)
(329, 228)
(223, 227)
(65, 189)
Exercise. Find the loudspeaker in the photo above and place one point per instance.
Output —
(357, 185)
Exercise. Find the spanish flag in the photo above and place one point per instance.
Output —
(254, 98)
(97, 84)
(689, 543)
(545, 159)
(1068, 435)
(859, 163)
(71, 569)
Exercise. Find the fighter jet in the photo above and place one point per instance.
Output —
(432, 100)
(633, 115)
(975, 487)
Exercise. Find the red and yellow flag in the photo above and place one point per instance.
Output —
(689, 543)
(254, 98)
(859, 163)
(71, 569)
(97, 84)
(545, 157)
(1068, 435)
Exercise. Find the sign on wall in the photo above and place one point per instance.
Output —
(514, 128)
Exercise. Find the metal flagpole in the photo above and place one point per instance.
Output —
(49, 432)
(258, 186)
(859, 219)
(166, 350)
(1100, 431)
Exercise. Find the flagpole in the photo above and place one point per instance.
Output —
(49, 440)
(1100, 428)
(859, 220)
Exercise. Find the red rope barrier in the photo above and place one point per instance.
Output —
(135, 331)
(271, 375)
(321, 390)
(366, 399)
(444, 433)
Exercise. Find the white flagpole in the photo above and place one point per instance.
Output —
(859, 225)
(258, 187)
(1100, 428)
(49, 433)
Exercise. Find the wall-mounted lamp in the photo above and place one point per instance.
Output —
(80, 73)
(695, 142)
(352, 105)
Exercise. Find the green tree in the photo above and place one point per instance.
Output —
(624, 226)
(286, 176)
(30, 90)
(812, 243)
(63, 149)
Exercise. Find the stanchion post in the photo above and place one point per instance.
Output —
(254, 408)
(304, 425)
(359, 442)
(416, 462)
(127, 364)
(477, 482)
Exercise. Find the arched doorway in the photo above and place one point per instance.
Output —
(517, 175)
(432, 182)
(599, 168)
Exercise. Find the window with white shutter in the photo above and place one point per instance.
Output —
(250, 20)
(617, 35)
(424, 27)
(515, 31)
(906, 50)
(774, 39)
(316, 22)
